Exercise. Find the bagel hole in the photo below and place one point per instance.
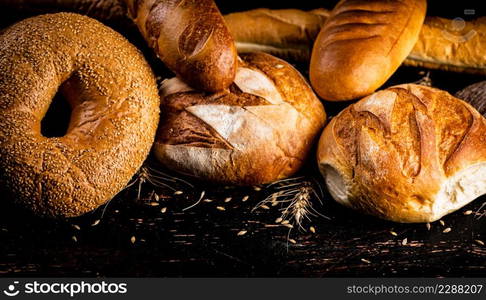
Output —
(56, 120)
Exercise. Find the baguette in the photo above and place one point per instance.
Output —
(409, 153)
(475, 95)
(190, 37)
(286, 33)
(290, 34)
(259, 131)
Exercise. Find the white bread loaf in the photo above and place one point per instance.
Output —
(409, 153)
(260, 131)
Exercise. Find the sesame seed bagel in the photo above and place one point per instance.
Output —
(114, 113)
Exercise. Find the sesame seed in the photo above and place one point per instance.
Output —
(312, 229)
(242, 232)
(289, 226)
(163, 210)
(227, 200)
(448, 229)
(284, 222)
(257, 188)
(133, 239)
(208, 200)
(293, 241)
(76, 227)
(220, 208)
(264, 206)
(178, 192)
(442, 223)
(393, 233)
(154, 204)
(428, 226)
(245, 198)
(468, 212)
(365, 261)
(404, 241)
(96, 222)
(74, 238)
(278, 220)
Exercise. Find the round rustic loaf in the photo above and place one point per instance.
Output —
(114, 113)
(259, 131)
(409, 153)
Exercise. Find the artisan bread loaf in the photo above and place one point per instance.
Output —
(289, 34)
(259, 131)
(190, 37)
(286, 33)
(409, 153)
(361, 45)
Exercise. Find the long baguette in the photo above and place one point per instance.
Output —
(440, 45)
(362, 44)
(111, 12)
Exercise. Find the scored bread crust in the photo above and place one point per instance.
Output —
(361, 45)
(115, 110)
(409, 153)
(259, 131)
(190, 37)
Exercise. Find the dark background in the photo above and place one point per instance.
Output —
(131, 236)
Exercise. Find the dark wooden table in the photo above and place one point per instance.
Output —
(139, 236)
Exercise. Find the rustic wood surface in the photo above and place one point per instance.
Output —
(163, 235)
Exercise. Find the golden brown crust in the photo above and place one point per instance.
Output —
(396, 150)
(190, 37)
(259, 131)
(114, 101)
(361, 45)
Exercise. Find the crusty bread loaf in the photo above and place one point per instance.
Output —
(190, 37)
(290, 34)
(286, 33)
(260, 131)
(362, 44)
(409, 153)
(475, 95)
(114, 113)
